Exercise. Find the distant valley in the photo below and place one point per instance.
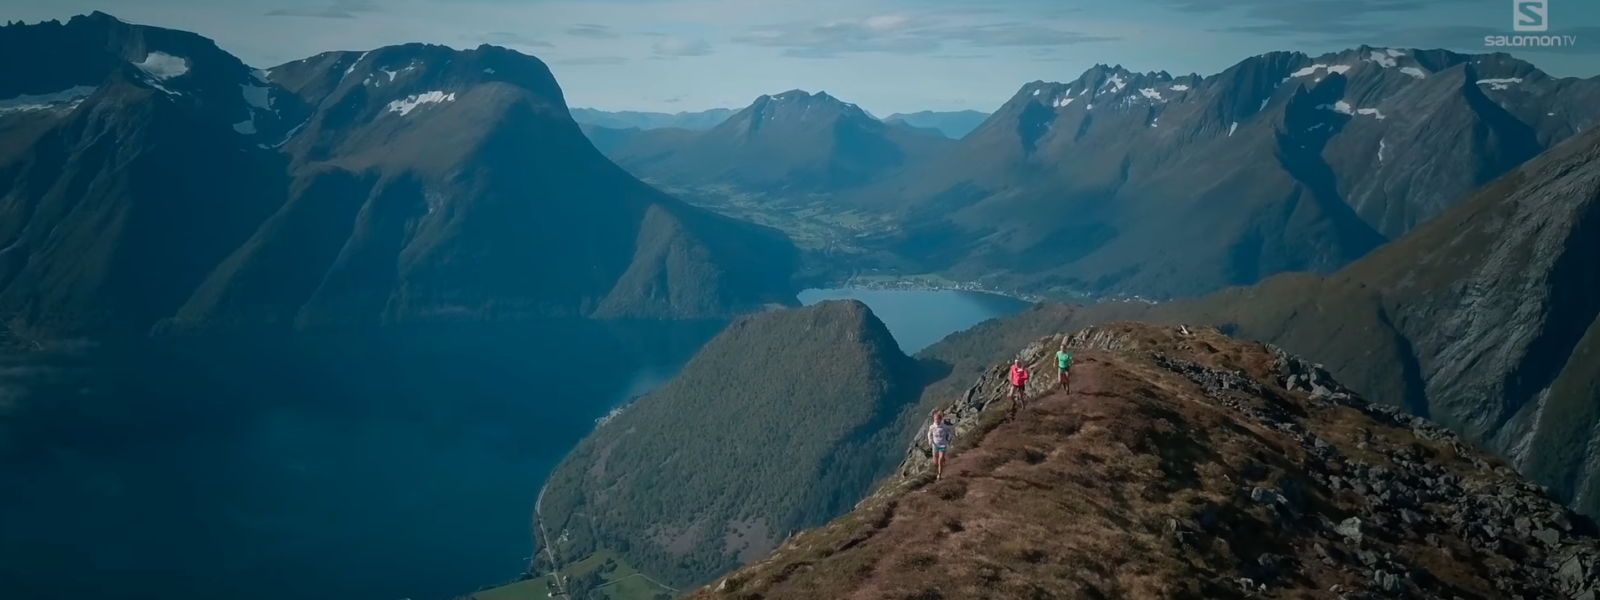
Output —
(1133, 184)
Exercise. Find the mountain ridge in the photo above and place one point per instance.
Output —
(370, 189)
(1176, 454)
(1068, 186)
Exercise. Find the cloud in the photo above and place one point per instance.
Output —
(1308, 17)
(339, 9)
(321, 13)
(905, 34)
(592, 31)
(681, 47)
(507, 38)
(591, 60)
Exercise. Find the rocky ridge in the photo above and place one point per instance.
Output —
(1328, 495)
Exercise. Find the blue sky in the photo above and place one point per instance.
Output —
(885, 55)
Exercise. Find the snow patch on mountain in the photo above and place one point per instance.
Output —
(1341, 107)
(1117, 83)
(1395, 53)
(163, 66)
(1063, 101)
(1382, 145)
(67, 98)
(261, 76)
(246, 127)
(1232, 128)
(1036, 92)
(1414, 72)
(1371, 112)
(1500, 84)
(353, 65)
(1150, 93)
(1180, 88)
(413, 101)
(257, 96)
(1383, 59)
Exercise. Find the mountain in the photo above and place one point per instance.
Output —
(954, 125)
(148, 178)
(1484, 319)
(1164, 186)
(628, 119)
(1185, 464)
(794, 142)
(719, 465)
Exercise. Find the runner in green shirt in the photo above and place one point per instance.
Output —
(1064, 366)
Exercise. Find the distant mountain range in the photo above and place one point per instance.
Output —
(148, 177)
(1121, 183)
(1170, 186)
(628, 119)
(954, 125)
(794, 142)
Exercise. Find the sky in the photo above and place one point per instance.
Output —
(887, 56)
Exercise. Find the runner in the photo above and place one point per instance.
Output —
(1064, 366)
(939, 434)
(1019, 385)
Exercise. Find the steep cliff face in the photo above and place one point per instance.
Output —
(1186, 464)
(781, 422)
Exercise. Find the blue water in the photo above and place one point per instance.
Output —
(391, 466)
(917, 319)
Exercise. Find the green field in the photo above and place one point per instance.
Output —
(622, 582)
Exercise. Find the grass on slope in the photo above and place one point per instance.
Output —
(719, 465)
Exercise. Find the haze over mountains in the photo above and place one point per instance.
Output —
(795, 142)
(361, 189)
(1121, 183)
(629, 119)
(954, 125)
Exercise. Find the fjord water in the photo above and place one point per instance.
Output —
(382, 466)
(401, 464)
(918, 318)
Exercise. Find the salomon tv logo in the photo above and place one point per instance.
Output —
(1531, 16)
